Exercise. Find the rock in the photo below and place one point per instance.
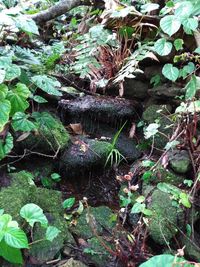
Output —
(154, 112)
(23, 191)
(162, 225)
(50, 136)
(179, 161)
(154, 70)
(135, 89)
(165, 91)
(83, 155)
(98, 109)
(103, 219)
(192, 250)
(73, 263)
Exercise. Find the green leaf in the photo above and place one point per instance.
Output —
(149, 7)
(191, 88)
(170, 72)
(6, 146)
(13, 71)
(3, 91)
(137, 208)
(5, 62)
(190, 24)
(32, 213)
(68, 203)
(51, 233)
(4, 112)
(170, 24)
(18, 97)
(183, 9)
(147, 175)
(20, 122)
(56, 177)
(197, 50)
(16, 238)
(151, 130)
(10, 254)
(44, 119)
(162, 47)
(184, 200)
(164, 260)
(27, 25)
(2, 75)
(39, 99)
(47, 84)
(178, 43)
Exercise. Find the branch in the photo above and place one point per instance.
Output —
(60, 8)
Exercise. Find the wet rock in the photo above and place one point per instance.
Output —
(103, 218)
(162, 225)
(179, 161)
(135, 89)
(98, 108)
(166, 91)
(73, 263)
(50, 136)
(83, 155)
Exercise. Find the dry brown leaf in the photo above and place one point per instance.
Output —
(132, 131)
(23, 136)
(152, 56)
(76, 128)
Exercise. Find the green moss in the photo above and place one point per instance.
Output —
(49, 137)
(151, 113)
(162, 225)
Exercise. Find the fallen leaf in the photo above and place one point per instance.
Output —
(132, 130)
(76, 128)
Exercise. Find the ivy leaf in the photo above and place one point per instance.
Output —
(13, 71)
(39, 99)
(178, 43)
(51, 233)
(48, 85)
(16, 238)
(162, 47)
(191, 88)
(138, 207)
(6, 146)
(26, 25)
(170, 72)
(10, 254)
(32, 213)
(184, 200)
(4, 113)
(68, 203)
(151, 130)
(166, 260)
(20, 122)
(170, 24)
(17, 98)
(197, 50)
(183, 9)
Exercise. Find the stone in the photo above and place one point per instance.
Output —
(151, 71)
(50, 136)
(73, 263)
(191, 250)
(135, 89)
(163, 224)
(154, 112)
(179, 161)
(103, 219)
(83, 155)
(165, 91)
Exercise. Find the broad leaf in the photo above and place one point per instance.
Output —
(32, 213)
(170, 72)
(3, 91)
(68, 203)
(190, 24)
(191, 88)
(162, 47)
(10, 254)
(21, 122)
(151, 130)
(137, 208)
(6, 146)
(178, 43)
(4, 112)
(2, 75)
(16, 238)
(183, 9)
(51, 233)
(12, 72)
(18, 97)
(170, 24)
(48, 85)
(27, 25)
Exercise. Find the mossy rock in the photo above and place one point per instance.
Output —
(163, 224)
(153, 112)
(73, 263)
(103, 217)
(50, 136)
(99, 255)
(84, 155)
(23, 191)
(180, 161)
